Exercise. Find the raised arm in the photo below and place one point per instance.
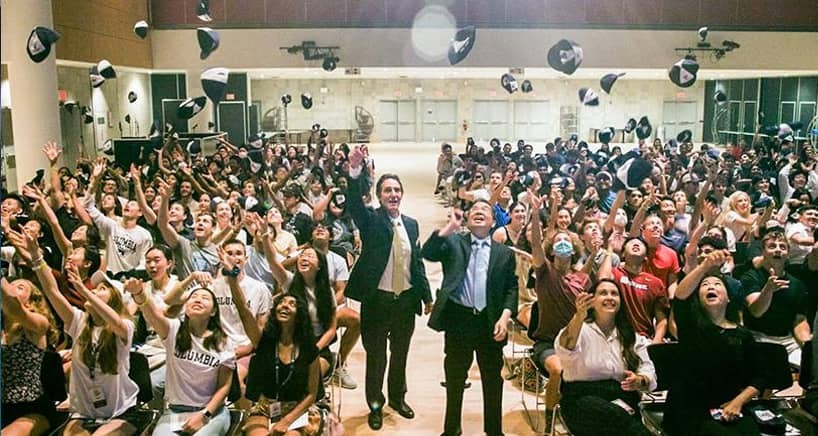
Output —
(248, 321)
(435, 248)
(607, 227)
(147, 211)
(154, 317)
(16, 311)
(570, 335)
(280, 274)
(53, 152)
(690, 283)
(759, 302)
(168, 232)
(641, 213)
(108, 314)
(63, 243)
(537, 253)
(23, 242)
(320, 208)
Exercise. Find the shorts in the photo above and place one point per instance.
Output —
(42, 406)
(131, 416)
(315, 415)
(542, 350)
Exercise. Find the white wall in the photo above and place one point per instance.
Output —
(603, 48)
(335, 109)
(110, 103)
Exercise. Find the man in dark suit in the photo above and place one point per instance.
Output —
(474, 304)
(389, 280)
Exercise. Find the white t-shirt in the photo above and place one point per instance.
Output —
(119, 390)
(798, 253)
(192, 376)
(125, 248)
(259, 301)
(336, 267)
(737, 228)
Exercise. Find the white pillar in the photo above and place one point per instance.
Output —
(33, 86)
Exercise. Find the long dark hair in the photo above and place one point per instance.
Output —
(214, 340)
(701, 317)
(323, 291)
(627, 336)
(302, 333)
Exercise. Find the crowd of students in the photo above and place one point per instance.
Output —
(236, 263)
(711, 249)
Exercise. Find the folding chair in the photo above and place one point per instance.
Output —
(541, 382)
(236, 415)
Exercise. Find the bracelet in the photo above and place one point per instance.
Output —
(39, 265)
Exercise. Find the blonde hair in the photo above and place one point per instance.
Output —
(107, 353)
(37, 304)
(732, 200)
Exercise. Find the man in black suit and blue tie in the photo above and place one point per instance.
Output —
(474, 304)
(389, 280)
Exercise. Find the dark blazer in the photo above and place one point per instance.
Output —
(454, 252)
(376, 240)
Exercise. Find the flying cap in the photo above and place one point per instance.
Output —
(208, 41)
(719, 96)
(643, 128)
(214, 83)
(607, 81)
(108, 147)
(588, 97)
(286, 99)
(140, 28)
(190, 107)
(526, 86)
(606, 135)
(306, 100)
(462, 44)
(509, 83)
(193, 147)
(683, 73)
(106, 70)
(131, 97)
(39, 43)
(630, 126)
(203, 11)
(565, 56)
(632, 171)
(96, 78)
(87, 116)
(684, 136)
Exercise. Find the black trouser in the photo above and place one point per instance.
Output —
(587, 409)
(468, 333)
(384, 316)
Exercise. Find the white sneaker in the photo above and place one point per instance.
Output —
(346, 380)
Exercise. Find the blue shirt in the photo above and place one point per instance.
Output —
(472, 292)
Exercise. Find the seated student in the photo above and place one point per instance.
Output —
(777, 302)
(103, 397)
(199, 367)
(717, 356)
(605, 364)
(284, 379)
(27, 332)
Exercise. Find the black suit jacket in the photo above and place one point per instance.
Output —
(376, 240)
(454, 252)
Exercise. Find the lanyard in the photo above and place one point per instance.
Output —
(94, 355)
(289, 376)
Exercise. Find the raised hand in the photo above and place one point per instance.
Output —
(52, 152)
(774, 283)
(32, 192)
(356, 157)
(583, 303)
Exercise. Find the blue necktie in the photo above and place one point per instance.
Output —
(479, 272)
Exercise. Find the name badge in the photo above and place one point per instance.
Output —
(275, 410)
(99, 397)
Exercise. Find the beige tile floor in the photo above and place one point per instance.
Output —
(415, 164)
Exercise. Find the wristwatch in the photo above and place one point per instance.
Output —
(231, 272)
(207, 414)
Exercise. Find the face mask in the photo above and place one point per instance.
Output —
(620, 220)
(563, 249)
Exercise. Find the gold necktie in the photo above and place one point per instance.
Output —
(398, 276)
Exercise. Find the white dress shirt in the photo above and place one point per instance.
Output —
(599, 357)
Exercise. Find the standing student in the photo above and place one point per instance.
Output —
(475, 303)
(389, 280)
